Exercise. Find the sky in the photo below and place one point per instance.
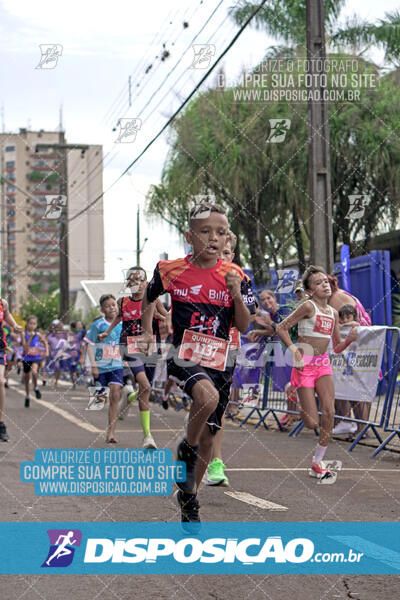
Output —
(102, 45)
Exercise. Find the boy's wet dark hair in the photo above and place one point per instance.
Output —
(105, 297)
(347, 310)
(203, 211)
(308, 273)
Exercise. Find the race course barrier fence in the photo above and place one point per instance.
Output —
(365, 372)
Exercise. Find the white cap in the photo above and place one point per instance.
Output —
(56, 322)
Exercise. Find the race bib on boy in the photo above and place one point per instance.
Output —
(205, 350)
(132, 346)
(111, 352)
(324, 325)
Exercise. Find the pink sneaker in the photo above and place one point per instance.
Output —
(318, 470)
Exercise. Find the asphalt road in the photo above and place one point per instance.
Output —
(265, 464)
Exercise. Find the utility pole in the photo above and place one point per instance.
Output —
(138, 248)
(138, 237)
(63, 148)
(319, 177)
(9, 276)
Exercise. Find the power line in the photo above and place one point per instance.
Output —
(117, 102)
(183, 104)
(176, 81)
(172, 44)
(189, 46)
(102, 162)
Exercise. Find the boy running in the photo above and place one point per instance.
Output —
(206, 296)
(130, 313)
(215, 469)
(106, 360)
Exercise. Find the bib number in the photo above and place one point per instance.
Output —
(133, 348)
(205, 350)
(323, 325)
(111, 352)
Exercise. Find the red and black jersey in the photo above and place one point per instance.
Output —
(3, 343)
(131, 313)
(199, 297)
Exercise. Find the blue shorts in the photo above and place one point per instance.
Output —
(107, 377)
(133, 361)
(3, 360)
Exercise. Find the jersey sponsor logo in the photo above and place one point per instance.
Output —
(205, 324)
(178, 292)
(195, 289)
(129, 313)
(248, 299)
(219, 295)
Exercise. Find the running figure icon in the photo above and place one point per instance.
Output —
(62, 549)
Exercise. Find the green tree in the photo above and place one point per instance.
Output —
(45, 308)
(218, 146)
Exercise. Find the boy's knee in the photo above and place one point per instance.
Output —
(145, 388)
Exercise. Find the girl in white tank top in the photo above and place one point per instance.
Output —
(318, 323)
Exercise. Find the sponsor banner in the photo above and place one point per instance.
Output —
(76, 472)
(219, 548)
(356, 371)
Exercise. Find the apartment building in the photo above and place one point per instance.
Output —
(30, 233)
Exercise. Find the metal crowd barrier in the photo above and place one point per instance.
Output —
(392, 418)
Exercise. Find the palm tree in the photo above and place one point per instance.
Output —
(286, 21)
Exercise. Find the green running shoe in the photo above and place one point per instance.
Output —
(132, 397)
(215, 473)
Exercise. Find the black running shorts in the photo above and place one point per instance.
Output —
(187, 376)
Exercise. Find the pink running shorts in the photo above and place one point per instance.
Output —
(314, 368)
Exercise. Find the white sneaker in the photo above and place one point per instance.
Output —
(343, 427)
(149, 443)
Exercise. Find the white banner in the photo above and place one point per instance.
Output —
(356, 371)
